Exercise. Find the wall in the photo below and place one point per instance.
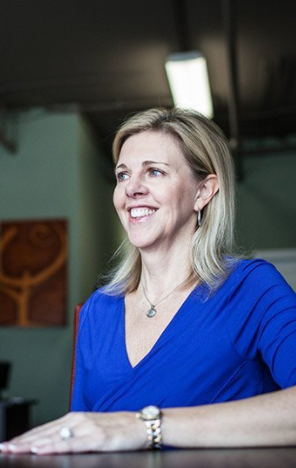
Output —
(266, 201)
(99, 230)
(55, 173)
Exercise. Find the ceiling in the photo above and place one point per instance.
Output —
(105, 58)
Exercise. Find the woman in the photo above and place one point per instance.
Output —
(206, 338)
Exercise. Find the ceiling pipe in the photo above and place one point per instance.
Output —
(186, 70)
(180, 15)
(229, 19)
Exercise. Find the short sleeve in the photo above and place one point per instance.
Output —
(262, 321)
(277, 334)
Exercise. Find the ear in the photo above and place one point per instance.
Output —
(207, 189)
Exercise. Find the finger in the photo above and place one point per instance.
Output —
(43, 431)
(80, 444)
(29, 437)
(24, 442)
(43, 435)
(4, 447)
(33, 444)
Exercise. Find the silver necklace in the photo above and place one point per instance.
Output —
(152, 311)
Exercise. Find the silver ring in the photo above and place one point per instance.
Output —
(66, 433)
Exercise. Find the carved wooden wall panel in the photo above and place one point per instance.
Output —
(33, 273)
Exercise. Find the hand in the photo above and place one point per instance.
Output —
(92, 432)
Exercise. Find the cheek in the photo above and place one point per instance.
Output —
(182, 203)
(117, 198)
(180, 196)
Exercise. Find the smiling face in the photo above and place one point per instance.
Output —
(156, 192)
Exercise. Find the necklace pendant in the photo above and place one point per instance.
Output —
(151, 312)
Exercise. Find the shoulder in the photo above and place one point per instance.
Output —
(99, 304)
(101, 297)
(257, 285)
(258, 272)
(256, 280)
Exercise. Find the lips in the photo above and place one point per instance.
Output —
(141, 212)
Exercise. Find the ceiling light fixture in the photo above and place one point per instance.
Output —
(189, 82)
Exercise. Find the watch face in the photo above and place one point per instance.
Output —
(150, 412)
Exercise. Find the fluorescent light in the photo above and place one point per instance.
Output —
(189, 82)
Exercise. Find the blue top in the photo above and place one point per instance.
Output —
(237, 343)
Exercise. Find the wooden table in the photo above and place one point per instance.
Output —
(222, 458)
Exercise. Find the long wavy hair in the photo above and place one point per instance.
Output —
(205, 149)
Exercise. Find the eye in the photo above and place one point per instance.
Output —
(154, 172)
(120, 176)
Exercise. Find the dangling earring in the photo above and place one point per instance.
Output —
(199, 217)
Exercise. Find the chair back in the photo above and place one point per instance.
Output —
(73, 366)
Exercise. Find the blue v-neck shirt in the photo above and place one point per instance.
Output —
(237, 343)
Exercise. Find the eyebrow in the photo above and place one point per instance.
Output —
(144, 164)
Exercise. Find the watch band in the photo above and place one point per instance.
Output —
(151, 417)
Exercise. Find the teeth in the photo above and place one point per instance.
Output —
(139, 212)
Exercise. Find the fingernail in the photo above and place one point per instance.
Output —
(4, 447)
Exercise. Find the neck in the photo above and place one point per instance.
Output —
(162, 271)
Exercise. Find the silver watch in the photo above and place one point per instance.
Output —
(151, 417)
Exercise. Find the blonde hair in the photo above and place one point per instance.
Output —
(205, 149)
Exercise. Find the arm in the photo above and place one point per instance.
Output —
(266, 420)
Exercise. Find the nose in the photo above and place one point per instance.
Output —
(135, 187)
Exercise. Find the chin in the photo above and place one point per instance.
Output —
(140, 243)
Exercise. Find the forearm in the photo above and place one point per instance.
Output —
(266, 420)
